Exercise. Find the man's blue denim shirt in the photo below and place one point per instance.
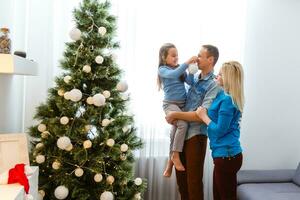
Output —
(201, 93)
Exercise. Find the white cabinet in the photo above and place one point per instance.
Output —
(12, 64)
(12, 91)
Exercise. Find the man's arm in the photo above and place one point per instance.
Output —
(210, 95)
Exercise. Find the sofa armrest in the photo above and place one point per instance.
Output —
(265, 176)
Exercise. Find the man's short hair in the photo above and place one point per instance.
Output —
(212, 51)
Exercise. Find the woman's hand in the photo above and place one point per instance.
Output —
(170, 118)
(202, 114)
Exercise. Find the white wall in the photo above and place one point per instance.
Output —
(271, 127)
(12, 86)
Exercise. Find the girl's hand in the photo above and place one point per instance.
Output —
(201, 112)
(169, 118)
(192, 60)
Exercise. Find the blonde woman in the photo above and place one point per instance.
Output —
(223, 121)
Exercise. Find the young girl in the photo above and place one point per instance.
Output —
(171, 78)
(223, 118)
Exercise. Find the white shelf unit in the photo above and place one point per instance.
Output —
(12, 64)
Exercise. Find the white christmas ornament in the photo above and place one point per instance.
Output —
(87, 144)
(106, 94)
(75, 34)
(39, 145)
(98, 178)
(99, 59)
(138, 181)
(40, 159)
(45, 134)
(56, 165)
(75, 95)
(64, 120)
(105, 122)
(110, 142)
(60, 92)
(86, 68)
(110, 179)
(98, 100)
(137, 196)
(69, 147)
(122, 86)
(67, 79)
(63, 142)
(42, 193)
(67, 95)
(42, 127)
(106, 196)
(193, 68)
(90, 100)
(102, 30)
(78, 172)
(123, 157)
(61, 192)
(124, 147)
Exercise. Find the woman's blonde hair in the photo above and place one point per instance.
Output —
(233, 82)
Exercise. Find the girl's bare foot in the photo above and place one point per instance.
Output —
(168, 170)
(177, 162)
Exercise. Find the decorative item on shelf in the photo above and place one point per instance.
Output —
(20, 53)
(5, 42)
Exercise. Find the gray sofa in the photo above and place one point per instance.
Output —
(269, 184)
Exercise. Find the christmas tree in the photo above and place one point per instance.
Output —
(84, 141)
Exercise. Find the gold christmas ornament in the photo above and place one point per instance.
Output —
(42, 128)
(79, 172)
(110, 179)
(124, 147)
(60, 92)
(39, 145)
(87, 144)
(90, 100)
(98, 177)
(40, 159)
(110, 142)
(69, 147)
(45, 134)
(106, 94)
(64, 120)
(105, 122)
(56, 165)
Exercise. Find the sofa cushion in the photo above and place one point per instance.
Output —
(296, 178)
(265, 176)
(268, 191)
(285, 196)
